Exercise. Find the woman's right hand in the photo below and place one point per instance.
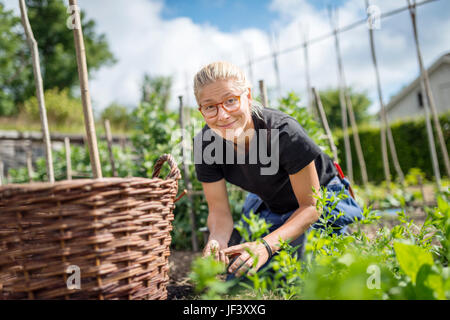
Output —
(214, 248)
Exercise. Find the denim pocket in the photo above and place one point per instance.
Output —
(335, 185)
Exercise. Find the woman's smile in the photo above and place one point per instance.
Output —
(229, 125)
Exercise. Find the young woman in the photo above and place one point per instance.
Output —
(265, 152)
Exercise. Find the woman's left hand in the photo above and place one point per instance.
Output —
(244, 262)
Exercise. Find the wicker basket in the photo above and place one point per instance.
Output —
(116, 230)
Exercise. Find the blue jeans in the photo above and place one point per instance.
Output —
(348, 207)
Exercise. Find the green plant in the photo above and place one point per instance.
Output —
(402, 262)
(205, 272)
(421, 277)
(257, 227)
(412, 177)
(152, 138)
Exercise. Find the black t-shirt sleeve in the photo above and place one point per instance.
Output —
(205, 172)
(208, 172)
(297, 149)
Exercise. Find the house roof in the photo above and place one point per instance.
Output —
(445, 58)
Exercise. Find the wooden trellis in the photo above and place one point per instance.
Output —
(385, 129)
(344, 95)
(428, 103)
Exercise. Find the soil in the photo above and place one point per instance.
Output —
(179, 287)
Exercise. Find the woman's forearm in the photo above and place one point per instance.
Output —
(220, 226)
(294, 227)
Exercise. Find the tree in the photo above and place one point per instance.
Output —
(156, 90)
(332, 107)
(48, 18)
(15, 67)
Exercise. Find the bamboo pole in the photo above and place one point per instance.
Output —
(110, 151)
(324, 120)
(383, 124)
(385, 129)
(123, 143)
(333, 16)
(85, 96)
(307, 75)
(359, 152)
(39, 89)
(430, 136)
(263, 94)
(87, 109)
(429, 100)
(68, 158)
(187, 180)
(29, 162)
(187, 88)
(2, 176)
(250, 64)
(274, 44)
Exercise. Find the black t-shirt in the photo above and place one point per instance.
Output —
(279, 147)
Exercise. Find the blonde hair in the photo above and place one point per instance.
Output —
(223, 70)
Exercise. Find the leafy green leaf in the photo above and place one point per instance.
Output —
(411, 258)
(430, 284)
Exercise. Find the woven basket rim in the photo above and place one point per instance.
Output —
(40, 186)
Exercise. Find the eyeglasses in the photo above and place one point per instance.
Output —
(230, 104)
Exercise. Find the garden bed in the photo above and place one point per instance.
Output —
(180, 287)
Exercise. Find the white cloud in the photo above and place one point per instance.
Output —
(393, 42)
(144, 42)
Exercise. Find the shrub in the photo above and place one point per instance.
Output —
(61, 108)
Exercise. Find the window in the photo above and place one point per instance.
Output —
(420, 99)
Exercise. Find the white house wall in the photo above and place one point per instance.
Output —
(408, 106)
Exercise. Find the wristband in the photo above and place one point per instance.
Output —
(269, 250)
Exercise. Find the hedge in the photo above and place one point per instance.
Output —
(412, 147)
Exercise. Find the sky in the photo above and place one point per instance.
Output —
(176, 38)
